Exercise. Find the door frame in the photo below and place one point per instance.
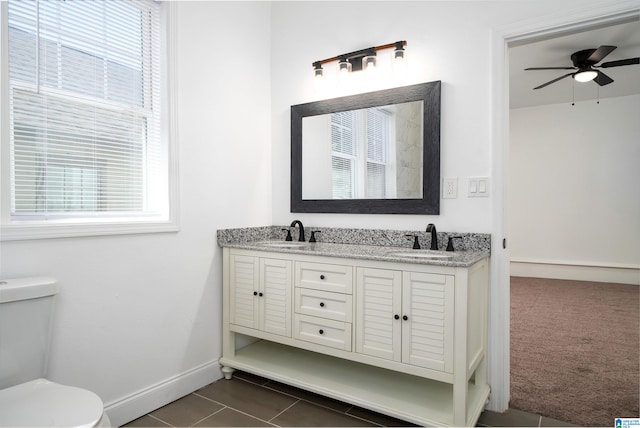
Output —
(499, 296)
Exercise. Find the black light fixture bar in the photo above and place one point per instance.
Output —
(355, 58)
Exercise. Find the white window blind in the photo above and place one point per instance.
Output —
(377, 144)
(360, 145)
(84, 108)
(343, 157)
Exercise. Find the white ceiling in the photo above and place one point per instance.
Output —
(556, 52)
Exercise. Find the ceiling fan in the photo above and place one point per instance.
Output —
(584, 62)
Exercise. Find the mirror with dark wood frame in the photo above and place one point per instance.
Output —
(371, 153)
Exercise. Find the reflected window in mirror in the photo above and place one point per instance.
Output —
(375, 154)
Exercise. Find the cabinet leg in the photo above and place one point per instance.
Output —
(227, 372)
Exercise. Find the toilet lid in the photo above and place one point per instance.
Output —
(41, 403)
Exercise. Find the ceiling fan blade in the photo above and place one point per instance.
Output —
(549, 68)
(554, 80)
(620, 62)
(602, 79)
(599, 54)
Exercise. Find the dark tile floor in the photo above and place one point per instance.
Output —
(252, 401)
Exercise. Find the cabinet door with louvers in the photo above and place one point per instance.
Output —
(378, 313)
(275, 296)
(427, 334)
(244, 308)
(260, 295)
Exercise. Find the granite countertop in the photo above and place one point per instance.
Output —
(367, 252)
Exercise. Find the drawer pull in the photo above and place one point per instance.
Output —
(321, 276)
(321, 331)
(322, 304)
(404, 317)
(396, 316)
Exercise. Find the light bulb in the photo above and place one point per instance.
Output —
(344, 66)
(318, 72)
(585, 76)
(369, 62)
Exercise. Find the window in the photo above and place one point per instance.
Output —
(377, 148)
(343, 154)
(84, 111)
(360, 154)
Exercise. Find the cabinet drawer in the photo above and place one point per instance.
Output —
(327, 277)
(322, 331)
(323, 304)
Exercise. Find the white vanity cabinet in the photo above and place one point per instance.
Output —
(404, 339)
(261, 296)
(406, 317)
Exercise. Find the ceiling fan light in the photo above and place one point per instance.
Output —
(585, 76)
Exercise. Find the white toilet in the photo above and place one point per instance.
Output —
(26, 398)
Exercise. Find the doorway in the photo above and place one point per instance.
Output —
(543, 252)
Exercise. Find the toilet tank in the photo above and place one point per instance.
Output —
(26, 307)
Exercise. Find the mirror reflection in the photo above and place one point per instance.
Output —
(369, 153)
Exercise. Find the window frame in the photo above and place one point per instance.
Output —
(12, 229)
(360, 158)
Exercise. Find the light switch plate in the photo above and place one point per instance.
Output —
(478, 187)
(450, 188)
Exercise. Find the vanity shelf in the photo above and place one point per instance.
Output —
(403, 396)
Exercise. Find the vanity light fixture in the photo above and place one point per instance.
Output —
(364, 59)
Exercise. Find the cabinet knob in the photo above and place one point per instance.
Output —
(321, 276)
(321, 331)
(255, 293)
(260, 294)
(396, 316)
(404, 317)
(322, 304)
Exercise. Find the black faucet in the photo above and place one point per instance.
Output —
(416, 241)
(313, 235)
(288, 238)
(450, 243)
(299, 223)
(434, 236)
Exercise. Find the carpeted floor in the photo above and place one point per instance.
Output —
(575, 350)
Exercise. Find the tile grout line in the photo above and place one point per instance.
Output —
(293, 404)
(346, 412)
(363, 419)
(158, 419)
(208, 416)
(266, 386)
(232, 408)
(210, 399)
(250, 381)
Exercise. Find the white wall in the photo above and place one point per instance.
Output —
(436, 47)
(574, 196)
(138, 317)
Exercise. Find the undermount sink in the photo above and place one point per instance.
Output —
(281, 244)
(421, 254)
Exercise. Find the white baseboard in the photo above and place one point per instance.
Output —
(616, 273)
(146, 400)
